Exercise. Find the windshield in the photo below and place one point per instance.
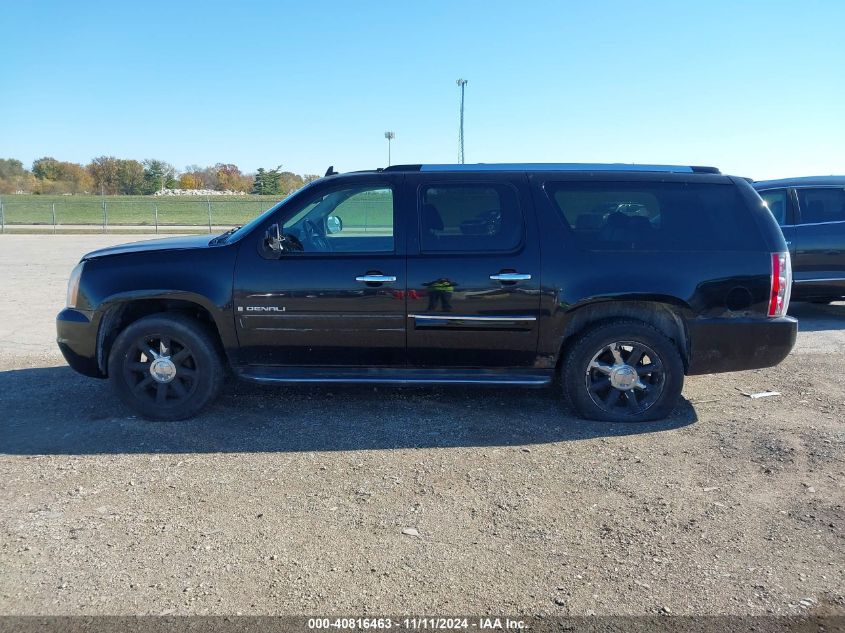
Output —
(246, 228)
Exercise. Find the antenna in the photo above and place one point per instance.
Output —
(462, 83)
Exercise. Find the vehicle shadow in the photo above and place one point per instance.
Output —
(815, 317)
(54, 411)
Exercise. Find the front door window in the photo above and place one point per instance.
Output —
(351, 220)
(776, 200)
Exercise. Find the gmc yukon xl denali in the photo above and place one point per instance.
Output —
(612, 281)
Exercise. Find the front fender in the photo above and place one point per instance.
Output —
(201, 277)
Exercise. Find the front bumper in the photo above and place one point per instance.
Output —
(720, 345)
(77, 339)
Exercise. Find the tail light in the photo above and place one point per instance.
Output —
(781, 286)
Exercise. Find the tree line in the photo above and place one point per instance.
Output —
(117, 176)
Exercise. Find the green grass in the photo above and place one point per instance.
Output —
(137, 210)
(373, 211)
(185, 210)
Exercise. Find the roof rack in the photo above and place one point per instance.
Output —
(683, 169)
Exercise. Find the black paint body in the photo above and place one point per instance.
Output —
(334, 328)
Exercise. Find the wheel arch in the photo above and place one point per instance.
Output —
(121, 311)
(666, 314)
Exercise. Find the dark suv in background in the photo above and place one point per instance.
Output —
(617, 279)
(811, 214)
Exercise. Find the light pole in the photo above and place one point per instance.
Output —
(389, 136)
(462, 83)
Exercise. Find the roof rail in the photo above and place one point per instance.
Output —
(402, 168)
(557, 167)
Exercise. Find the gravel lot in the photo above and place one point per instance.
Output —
(292, 501)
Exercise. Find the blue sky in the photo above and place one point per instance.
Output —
(755, 88)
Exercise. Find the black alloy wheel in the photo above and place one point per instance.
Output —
(622, 370)
(166, 366)
(625, 377)
(161, 369)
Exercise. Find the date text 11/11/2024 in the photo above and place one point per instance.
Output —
(417, 623)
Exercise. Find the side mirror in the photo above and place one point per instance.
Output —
(333, 224)
(273, 241)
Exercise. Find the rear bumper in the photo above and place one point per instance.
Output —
(77, 339)
(719, 345)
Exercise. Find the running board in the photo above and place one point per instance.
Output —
(395, 376)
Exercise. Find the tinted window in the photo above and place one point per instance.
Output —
(469, 218)
(356, 219)
(655, 216)
(776, 201)
(821, 205)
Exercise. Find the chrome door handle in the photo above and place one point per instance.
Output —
(376, 279)
(511, 277)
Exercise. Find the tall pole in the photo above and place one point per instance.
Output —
(389, 136)
(105, 210)
(462, 83)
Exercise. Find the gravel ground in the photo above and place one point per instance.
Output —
(292, 501)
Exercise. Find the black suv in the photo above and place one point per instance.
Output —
(811, 213)
(619, 279)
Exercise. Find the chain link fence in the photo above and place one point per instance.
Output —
(136, 213)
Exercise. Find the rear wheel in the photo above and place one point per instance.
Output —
(623, 371)
(166, 367)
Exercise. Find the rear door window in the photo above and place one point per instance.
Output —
(655, 216)
(821, 205)
(469, 218)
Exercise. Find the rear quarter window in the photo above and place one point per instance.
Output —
(643, 216)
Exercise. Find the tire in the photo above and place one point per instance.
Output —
(605, 392)
(186, 381)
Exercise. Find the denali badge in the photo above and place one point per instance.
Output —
(262, 309)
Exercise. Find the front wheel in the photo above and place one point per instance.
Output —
(166, 367)
(623, 371)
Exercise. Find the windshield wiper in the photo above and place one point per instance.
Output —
(222, 237)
